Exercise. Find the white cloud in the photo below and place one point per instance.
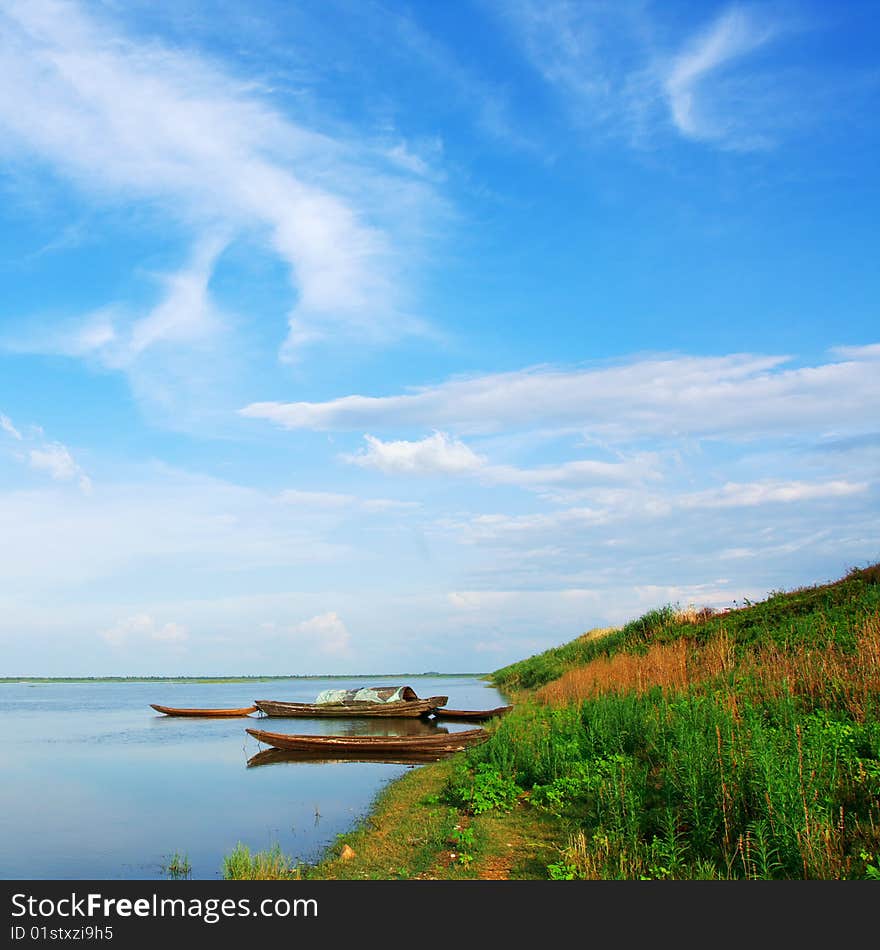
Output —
(316, 499)
(734, 495)
(440, 454)
(674, 397)
(869, 352)
(578, 472)
(474, 600)
(53, 458)
(7, 426)
(639, 555)
(141, 627)
(340, 501)
(436, 454)
(329, 631)
(638, 506)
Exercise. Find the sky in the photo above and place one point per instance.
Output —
(371, 336)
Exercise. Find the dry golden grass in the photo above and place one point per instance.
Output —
(597, 633)
(675, 665)
(693, 615)
(852, 678)
(849, 678)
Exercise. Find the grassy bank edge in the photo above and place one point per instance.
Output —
(411, 834)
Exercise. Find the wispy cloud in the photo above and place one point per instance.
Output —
(7, 426)
(140, 627)
(444, 455)
(596, 55)
(337, 501)
(488, 103)
(674, 397)
(185, 315)
(186, 312)
(741, 528)
(736, 33)
(733, 495)
(328, 632)
(624, 69)
(127, 120)
(633, 506)
(53, 458)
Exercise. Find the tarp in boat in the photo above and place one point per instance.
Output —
(366, 694)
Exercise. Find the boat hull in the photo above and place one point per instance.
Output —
(408, 709)
(328, 746)
(475, 715)
(204, 713)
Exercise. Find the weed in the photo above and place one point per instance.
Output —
(872, 866)
(269, 865)
(177, 867)
(463, 841)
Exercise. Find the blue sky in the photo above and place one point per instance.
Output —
(344, 337)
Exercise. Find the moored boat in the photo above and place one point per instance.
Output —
(440, 744)
(475, 715)
(407, 708)
(203, 713)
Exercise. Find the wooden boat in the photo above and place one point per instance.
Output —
(206, 713)
(408, 708)
(476, 715)
(441, 744)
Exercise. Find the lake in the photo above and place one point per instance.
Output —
(96, 785)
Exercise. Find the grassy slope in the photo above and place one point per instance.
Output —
(759, 758)
(823, 613)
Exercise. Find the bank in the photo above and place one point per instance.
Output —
(687, 744)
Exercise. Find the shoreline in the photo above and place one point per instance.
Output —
(12, 680)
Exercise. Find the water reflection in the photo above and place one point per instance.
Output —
(177, 713)
(96, 785)
(279, 756)
(472, 715)
(353, 727)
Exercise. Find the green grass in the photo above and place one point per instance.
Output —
(270, 865)
(734, 777)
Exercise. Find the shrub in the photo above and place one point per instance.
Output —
(481, 790)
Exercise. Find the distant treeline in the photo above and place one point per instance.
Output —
(221, 679)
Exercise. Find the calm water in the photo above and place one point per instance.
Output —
(96, 785)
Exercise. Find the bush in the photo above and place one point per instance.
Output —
(481, 790)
